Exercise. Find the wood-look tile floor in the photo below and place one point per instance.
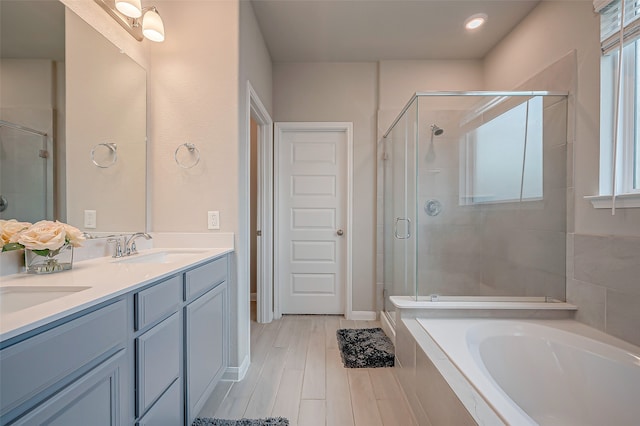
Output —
(296, 372)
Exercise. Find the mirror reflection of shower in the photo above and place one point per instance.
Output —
(431, 151)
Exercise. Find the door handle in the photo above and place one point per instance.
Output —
(340, 232)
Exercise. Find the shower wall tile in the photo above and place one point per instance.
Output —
(570, 256)
(548, 214)
(555, 166)
(606, 287)
(608, 261)
(623, 316)
(571, 222)
(544, 250)
(591, 302)
(555, 122)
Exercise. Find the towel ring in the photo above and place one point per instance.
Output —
(113, 150)
(193, 150)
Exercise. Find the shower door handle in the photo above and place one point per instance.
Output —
(408, 233)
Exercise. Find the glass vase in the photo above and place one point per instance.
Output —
(47, 262)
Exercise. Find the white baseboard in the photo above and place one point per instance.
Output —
(254, 297)
(363, 315)
(235, 374)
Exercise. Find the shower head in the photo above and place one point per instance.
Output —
(435, 130)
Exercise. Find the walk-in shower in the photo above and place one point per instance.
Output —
(475, 196)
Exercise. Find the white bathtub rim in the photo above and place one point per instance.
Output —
(481, 303)
(450, 335)
(481, 411)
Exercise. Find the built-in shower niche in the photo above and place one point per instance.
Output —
(475, 191)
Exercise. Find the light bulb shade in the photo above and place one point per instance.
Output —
(152, 26)
(130, 8)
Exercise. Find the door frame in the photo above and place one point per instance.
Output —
(279, 129)
(264, 285)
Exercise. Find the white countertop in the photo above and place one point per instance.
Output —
(106, 278)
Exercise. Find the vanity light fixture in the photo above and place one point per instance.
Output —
(130, 8)
(474, 22)
(152, 25)
(140, 22)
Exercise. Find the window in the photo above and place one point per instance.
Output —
(620, 154)
(504, 156)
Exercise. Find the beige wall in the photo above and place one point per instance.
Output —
(341, 92)
(193, 81)
(602, 250)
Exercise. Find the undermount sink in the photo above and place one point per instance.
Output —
(14, 298)
(165, 256)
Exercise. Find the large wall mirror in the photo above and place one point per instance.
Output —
(73, 122)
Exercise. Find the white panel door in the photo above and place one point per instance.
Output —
(311, 245)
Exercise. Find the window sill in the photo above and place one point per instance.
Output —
(623, 201)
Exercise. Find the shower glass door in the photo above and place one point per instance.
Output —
(399, 210)
(25, 182)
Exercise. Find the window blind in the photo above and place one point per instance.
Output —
(610, 14)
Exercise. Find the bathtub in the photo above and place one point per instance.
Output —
(547, 372)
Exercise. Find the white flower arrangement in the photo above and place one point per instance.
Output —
(43, 237)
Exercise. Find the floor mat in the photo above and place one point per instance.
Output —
(365, 348)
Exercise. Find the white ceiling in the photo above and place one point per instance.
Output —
(371, 30)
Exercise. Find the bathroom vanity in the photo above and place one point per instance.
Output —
(144, 342)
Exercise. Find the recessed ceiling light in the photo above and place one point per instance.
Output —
(475, 21)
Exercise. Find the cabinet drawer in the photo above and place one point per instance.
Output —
(35, 364)
(158, 301)
(167, 411)
(158, 360)
(198, 280)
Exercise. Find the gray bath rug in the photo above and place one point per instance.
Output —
(271, 421)
(365, 348)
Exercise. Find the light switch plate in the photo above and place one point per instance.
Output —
(213, 219)
(90, 219)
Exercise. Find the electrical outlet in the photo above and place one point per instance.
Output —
(90, 219)
(213, 220)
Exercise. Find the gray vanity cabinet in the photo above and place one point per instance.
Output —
(206, 333)
(75, 371)
(150, 357)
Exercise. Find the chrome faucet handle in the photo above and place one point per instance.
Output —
(117, 248)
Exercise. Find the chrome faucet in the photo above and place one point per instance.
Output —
(130, 243)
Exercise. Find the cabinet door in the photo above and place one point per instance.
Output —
(158, 361)
(167, 411)
(95, 398)
(206, 346)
